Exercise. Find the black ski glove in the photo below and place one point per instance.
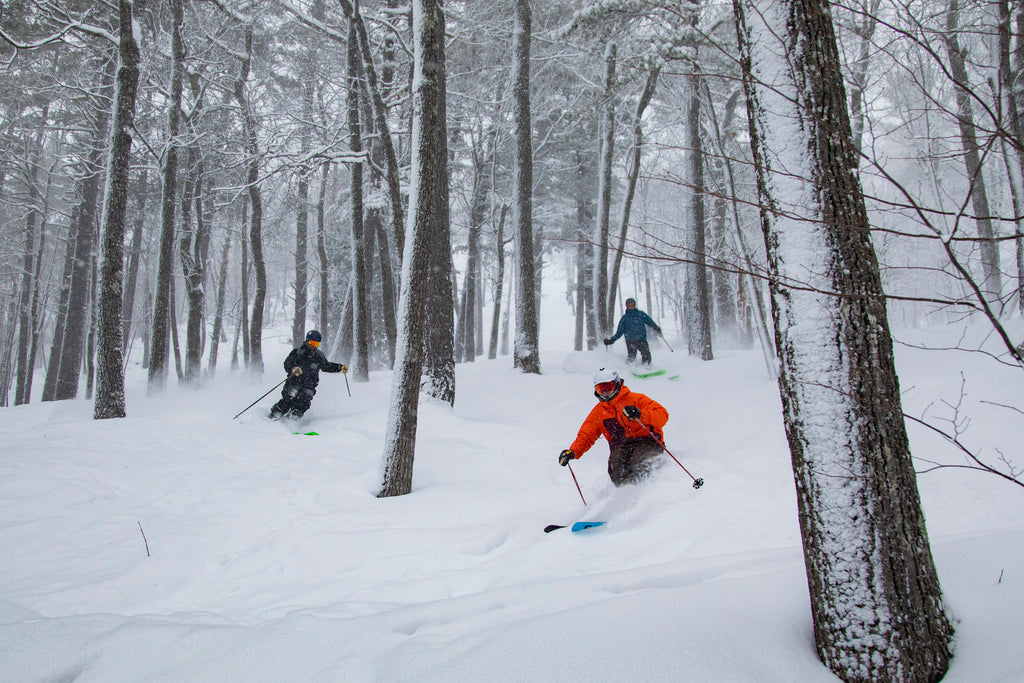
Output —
(565, 456)
(631, 412)
(608, 342)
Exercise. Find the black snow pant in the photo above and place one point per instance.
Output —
(295, 400)
(641, 345)
(631, 460)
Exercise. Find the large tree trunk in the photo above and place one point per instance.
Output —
(429, 171)
(243, 311)
(109, 366)
(439, 361)
(527, 347)
(604, 196)
(158, 354)
(868, 561)
(360, 362)
(302, 212)
(191, 250)
(255, 360)
(698, 298)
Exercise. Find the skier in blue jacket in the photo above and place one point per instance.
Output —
(633, 326)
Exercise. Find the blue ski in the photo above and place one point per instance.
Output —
(578, 526)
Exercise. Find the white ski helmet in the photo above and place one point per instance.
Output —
(605, 376)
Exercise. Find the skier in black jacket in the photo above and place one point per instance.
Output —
(303, 366)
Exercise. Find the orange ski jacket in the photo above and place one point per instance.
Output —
(607, 418)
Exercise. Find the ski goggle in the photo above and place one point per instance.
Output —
(312, 343)
(605, 387)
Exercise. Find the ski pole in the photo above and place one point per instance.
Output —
(662, 334)
(345, 375)
(577, 483)
(697, 482)
(262, 397)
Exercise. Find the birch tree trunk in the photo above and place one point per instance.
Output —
(109, 366)
(526, 351)
(866, 550)
(429, 171)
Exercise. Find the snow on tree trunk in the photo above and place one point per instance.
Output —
(602, 302)
(875, 596)
(360, 361)
(429, 169)
(527, 347)
(109, 372)
(698, 309)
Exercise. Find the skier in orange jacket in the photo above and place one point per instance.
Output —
(623, 417)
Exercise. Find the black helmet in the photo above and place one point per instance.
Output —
(313, 335)
(629, 301)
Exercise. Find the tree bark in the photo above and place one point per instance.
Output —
(110, 400)
(255, 356)
(866, 549)
(526, 351)
(698, 304)
(429, 171)
(360, 361)
(604, 196)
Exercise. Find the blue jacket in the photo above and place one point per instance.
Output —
(633, 324)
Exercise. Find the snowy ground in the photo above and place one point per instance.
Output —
(270, 559)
